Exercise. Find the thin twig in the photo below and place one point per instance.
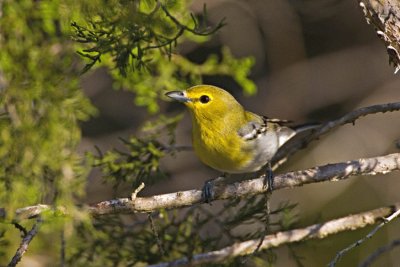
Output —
(193, 30)
(154, 230)
(379, 252)
(62, 248)
(137, 190)
(22, 229)
(23, 247)
(267, 230)
(341, 253)
(316, 231)
(329, 172)
(34, 211)
(181, 30)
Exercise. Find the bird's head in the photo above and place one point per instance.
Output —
(207, 101)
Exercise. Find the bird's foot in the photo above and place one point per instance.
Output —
(269, 179)
(208, 193)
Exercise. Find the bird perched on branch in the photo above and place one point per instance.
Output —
(228, 138)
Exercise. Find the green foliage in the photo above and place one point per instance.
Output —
(41, 106)
(3, 242)
(144, 29)
(134, 240)
(131, 240)
(139, 162)
(178, 72)
(43, 103)
(253, 212)
(137, 42)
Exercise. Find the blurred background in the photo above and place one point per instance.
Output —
(314, 61)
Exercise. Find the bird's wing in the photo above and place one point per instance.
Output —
(252, 129)
(259, 125)
(278, 121)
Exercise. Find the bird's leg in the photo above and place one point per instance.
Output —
(269, 178)
(208, 188)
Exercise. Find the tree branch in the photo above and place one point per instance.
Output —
(340, 254)
(23, 247)
(384, 15)
(329, 172)
(282, 155)
(316, 231)
(379, 252)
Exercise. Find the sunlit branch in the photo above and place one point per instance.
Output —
(329, 172)
(316, 231)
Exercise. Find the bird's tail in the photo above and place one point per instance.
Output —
(306, 127)
(302, 133)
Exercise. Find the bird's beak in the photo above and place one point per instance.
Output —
(179, 96)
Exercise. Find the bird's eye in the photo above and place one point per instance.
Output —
(204, 99)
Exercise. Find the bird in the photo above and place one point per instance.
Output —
(228, 138)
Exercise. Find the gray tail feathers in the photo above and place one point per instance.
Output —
(301, 133)
(305, 130)
(287, 133)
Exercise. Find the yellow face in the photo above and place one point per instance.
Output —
(206, 101)
(216, 117)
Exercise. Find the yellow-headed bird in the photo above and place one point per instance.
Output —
(228, 138)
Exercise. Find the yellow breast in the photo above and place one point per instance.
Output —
(223, 151)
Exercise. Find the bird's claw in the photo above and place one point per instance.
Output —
(269, 180)
(208, 191)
